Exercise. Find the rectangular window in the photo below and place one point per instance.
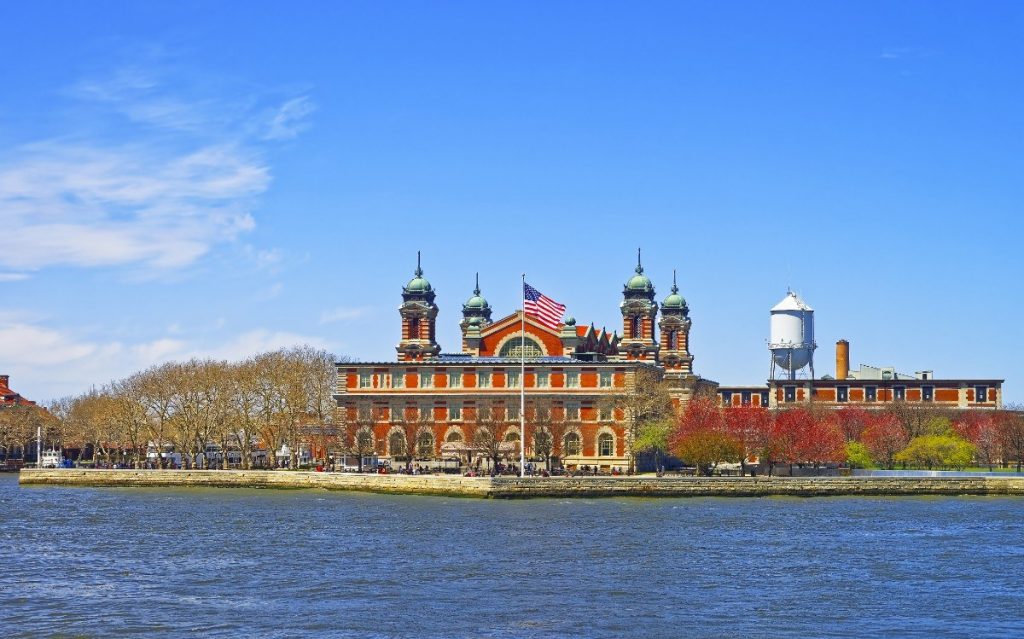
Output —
(927, 393)
(899, 393)
(512, 412)
(745, 398)
(398, 380)
(512, 379)
(842, 394)
(572, 379)
(364, 413)
(764, 398)
(543, 380)
(572, 412)
(397, 413)
(483, 379)
(426, 379)
(455, 380)
(790, 393)
(455, 412)
(605, 380)
(726, 398)
(981, 394)
(606, 414)
(870, 393)
(364, 380)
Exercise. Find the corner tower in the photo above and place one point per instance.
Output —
(638, 315)
(476, 315)
(419, 319)
(675, 332)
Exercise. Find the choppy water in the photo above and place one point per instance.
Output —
(226, 563)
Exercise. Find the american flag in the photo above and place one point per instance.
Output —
(544, 309)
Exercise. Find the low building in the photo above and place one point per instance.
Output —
(10, 398)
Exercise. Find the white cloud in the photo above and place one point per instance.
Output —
(291, 119)
(87, 198)
(269, 293)
(342, 314)
(13, 277)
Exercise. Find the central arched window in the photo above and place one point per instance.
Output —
(396, 444)
(425, 445)
(605, 445)
(572, 444)
(673, 341)
(521, 347)
(454, 437)
(634, 329)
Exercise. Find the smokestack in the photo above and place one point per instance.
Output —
(842, 359)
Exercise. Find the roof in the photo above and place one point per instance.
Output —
(792, 302)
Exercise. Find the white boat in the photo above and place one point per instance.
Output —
(51, 459)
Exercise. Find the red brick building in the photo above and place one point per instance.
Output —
(10, 398)
(570, 374)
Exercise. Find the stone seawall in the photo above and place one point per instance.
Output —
(515, 488)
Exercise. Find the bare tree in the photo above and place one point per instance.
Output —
(645, 399)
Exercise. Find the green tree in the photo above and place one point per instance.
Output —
(652, 437)
(857, 455)
(937, 451)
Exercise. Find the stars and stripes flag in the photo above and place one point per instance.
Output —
(542, 308)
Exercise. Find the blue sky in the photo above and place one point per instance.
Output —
(185, 179)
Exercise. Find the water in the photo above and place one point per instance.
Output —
(223, 563)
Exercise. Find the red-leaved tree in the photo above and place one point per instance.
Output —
(884, 437)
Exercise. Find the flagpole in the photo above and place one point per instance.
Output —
(522, 387)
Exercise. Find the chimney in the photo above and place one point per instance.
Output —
(842, 359)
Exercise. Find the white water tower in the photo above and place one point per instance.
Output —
(792, 336)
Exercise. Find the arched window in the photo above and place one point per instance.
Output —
(572, 444)
(425, 445)
(635, 327)
(414, 328)
(454, 437)
(512, 436)
(396, 445)
(520, 347)
(673, 341)
(605, 445)
(364, 441)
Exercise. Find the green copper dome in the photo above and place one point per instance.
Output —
(674, 301)
(418, 284)
(639, 283)
(477, 302)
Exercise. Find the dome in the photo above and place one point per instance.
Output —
(640, 282)
(477, 301)
(474, 321)
(674, 301)
(418, 284)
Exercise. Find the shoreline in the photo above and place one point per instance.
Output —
(530, 487)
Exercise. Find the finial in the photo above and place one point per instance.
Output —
(419, 271)
(639, 267)
(675, 289)
(476, 291)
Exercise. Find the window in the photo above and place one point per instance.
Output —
(572, 444)
(764, 398)
(363, 414)
(790, 393)
(426, 379)
(605, 445)
(396, 412)
(899, 393)
(745, 398)
(512, 379)
(543, 380)
(572, 412)
(572, 379)
(396, 444)
(981, 394)
(726, 398)
(606, 414)
(512, 412)
(673, 341)
(927, 393)
(364, 380)
(398, 379)
(870, 393)
(521, 347)
(455, 412)
(605, 380)
(414, 328)
(455, 380)
(842, 394)
(454, 437)
(425, 444)
(635, 327)
(483, 379)
(512, 436)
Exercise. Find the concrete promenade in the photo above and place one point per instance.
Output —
(515, 488)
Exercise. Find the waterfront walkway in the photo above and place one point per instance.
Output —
(530, 487)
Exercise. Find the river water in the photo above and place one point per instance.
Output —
(118, 562)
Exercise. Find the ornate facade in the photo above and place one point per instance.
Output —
(572, 376)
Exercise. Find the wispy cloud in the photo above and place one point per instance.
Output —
(91, 198)
(905, 53)
(342, 314)
(13, 277)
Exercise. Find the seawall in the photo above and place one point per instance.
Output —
(516, 488)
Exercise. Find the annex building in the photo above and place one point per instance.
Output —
(571, 375)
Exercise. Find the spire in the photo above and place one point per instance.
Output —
(419, 271)
(476, 290)
(639, 267)
(675, 289)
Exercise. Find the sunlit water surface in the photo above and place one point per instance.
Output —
(226, 563)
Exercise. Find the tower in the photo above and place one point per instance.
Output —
(476, 314)
(419, 317)
(792, 336)
(638, 314)
(675, 332)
